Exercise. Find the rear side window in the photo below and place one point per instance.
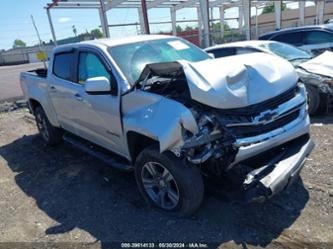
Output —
(222, 52)
(316, 37)
(62, 65)
(246, 50)
(291, 38)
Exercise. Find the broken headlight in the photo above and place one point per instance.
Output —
(324, 84)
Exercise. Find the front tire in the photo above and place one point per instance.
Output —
(168, 183)
(50, 134)
(313, 100)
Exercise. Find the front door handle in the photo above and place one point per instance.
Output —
(78, 97)
(53, 88)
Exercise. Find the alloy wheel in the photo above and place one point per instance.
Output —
(42, 126)
(160, 185)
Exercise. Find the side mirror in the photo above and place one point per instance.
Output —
(211, 55)
(97, 85)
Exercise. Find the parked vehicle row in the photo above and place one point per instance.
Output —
(315, 39)
(164, 108)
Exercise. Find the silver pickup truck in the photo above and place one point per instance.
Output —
(164, 108)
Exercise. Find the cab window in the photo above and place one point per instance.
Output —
(222, 52)
(62, 65)
(91, 66)
(316, 37)
(295, 39)
(246, 50)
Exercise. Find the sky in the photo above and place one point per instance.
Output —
(15, 21)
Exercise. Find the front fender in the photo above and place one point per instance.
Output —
(157, 117)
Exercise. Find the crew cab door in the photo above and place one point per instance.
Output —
(62, 89)
(95, 116)
(99, 118)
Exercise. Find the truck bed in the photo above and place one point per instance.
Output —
(34, 84)
(41, 72)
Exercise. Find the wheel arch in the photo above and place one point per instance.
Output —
(51, 115)
(33, 103)
(137, 142)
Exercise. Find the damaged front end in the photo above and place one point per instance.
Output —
(229, 139)
(211, 140)
(323, 83)
(318, 73)
(226, 142)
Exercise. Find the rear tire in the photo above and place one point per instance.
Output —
(168, 183)
(313, 99)
(50, 134)
(324, 104)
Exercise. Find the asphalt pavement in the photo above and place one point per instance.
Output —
(60, 197)
(10, 88)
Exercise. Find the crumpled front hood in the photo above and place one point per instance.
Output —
(322, 64)
(238, 81)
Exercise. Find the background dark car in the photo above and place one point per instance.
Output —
(315, 39)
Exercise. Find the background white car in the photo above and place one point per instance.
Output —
(316, 72)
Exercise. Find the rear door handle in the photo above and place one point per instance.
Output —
(78, 97)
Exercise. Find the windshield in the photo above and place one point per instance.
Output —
(286, 51)
(132, 58)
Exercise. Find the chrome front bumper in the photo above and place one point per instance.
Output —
(275, 138)
(259, 186)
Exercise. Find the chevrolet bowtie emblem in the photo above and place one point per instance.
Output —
(266, 117)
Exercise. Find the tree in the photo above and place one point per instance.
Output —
(229, 34)
(19, 44)
(189, 28)
(179, 29)
(74, 30)
(96, 33)
(217, 26)
(269, 8)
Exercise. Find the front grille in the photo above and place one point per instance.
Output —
(255, 109)
(241, 122)
(250, 131)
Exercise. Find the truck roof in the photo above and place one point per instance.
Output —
(126, 40)
(111, 42)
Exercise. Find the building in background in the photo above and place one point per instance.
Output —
(289, 18)
(20, 55)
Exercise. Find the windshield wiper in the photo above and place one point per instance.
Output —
(299, 58)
